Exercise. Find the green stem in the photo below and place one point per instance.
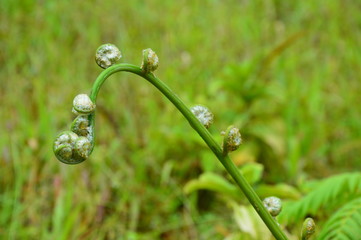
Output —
(202, 131)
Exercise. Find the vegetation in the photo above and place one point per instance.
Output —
(284, 72)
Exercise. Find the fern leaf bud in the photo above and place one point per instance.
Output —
(232, 139)
(82, 104)
(273, 205)
(308, 228)
(81, 125)
(64, 148)
(203, 114)
(150, 61)
(107, 55)
(82, 148)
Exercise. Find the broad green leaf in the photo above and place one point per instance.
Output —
(213, 182)
(249, 222)
(282, 190)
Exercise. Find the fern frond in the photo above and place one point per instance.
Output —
(344, 224)
(326, 195)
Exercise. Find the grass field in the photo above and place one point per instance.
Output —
(286, 72)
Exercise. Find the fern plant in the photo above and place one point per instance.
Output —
(345, 223)
(322, 202)
(76, 145)
(327, 195)
(249, 226)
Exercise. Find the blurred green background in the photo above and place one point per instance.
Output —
(285, 72)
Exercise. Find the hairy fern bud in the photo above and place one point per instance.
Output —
(107, 55)
(82, 148)
(203, 114)
(308, 228)
(273, 205)
(83, 105)
(232, 140)
(150, 61)
(69, 148)
(80, 125)
(63, 146)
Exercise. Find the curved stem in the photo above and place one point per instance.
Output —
(202, 131)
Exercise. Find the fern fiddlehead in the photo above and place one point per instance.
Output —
(70, 148)
(75, 146)
(150, 61)
(273, 205)
(107, 55)
(83, 105)
(232, 140)
(203, 114)
(308, 229)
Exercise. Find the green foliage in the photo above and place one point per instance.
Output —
(246, 218)
(250, 224)
(285, 72)
(281, 190)
(253, 173)
(345, 224)
(328, 194)
(213, 182)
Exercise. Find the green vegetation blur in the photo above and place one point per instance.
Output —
(287, 73)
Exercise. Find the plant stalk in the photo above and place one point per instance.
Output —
(202, 131)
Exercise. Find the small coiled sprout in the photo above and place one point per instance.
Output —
(107, 55)
(69, 148)
(82, 148)
(83, 105)
(150, 61)
(80, 125)
(203, 114)
(273, 205)
(232, 140)
(308, 228)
